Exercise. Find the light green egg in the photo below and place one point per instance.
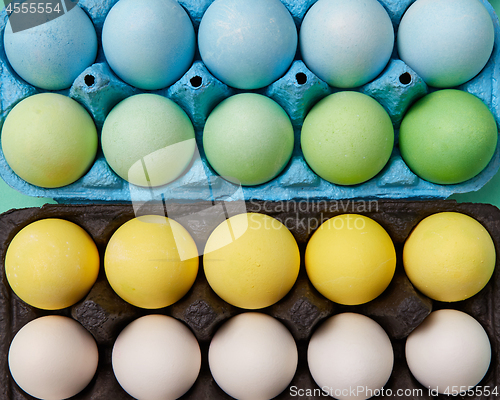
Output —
(347, 138)
(248, 139)
(448, 136)
(148, 140)
(49, 140)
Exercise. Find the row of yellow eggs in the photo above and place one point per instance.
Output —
(251, 356)
(250, 260)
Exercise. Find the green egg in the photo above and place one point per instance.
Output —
(248, 139)
(448, 137)
(49, 140)
(148, 140)
(347, 138)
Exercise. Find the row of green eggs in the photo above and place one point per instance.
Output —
(447, 137)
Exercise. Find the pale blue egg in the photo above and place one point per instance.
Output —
(149, 44)
(247, 44)
(346, 43)
(51, 56)
(446, 42)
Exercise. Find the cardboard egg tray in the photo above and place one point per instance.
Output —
(399, 309)
(198, 92)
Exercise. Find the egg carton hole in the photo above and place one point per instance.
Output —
(89, 80)
(405, 78)
(301, 78)
(196, 81)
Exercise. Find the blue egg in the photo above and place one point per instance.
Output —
(52, 55)
(247, 44)
(149, 44)
(346, 43)
(446, 42)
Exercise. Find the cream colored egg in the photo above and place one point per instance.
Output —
(449, 352)
(156, 357)
(350, 357)
(253, 357)
(53, 358)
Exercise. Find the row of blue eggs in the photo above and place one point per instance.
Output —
(150, 44)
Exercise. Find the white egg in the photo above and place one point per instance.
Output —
(53, 358)
(449, 352)
(156, 357)
(253, 357)
(350, 357)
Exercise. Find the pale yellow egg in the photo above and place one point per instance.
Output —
(51, 264)
(151, 261)
(350, 259)
(251, 260)
(449, 256)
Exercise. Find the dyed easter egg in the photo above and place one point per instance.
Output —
(347, 43)
(347, 138)
(448, 136)
(49, 140)
(446, 42)
(52, 55)
(248, 139)
(247, 44)
(149, 44)
(148, 140)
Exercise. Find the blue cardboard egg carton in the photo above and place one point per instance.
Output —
(198, 92)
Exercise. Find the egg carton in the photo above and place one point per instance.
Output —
(198, 92)
(399, 310)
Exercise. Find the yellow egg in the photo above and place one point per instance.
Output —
(51, 264)
(350, 259)
(251, 260)
(449, 256)
(151, 261)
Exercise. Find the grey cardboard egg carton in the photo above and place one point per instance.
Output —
(198, 92)
(398, 310)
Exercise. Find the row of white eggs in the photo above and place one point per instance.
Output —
(251, 357)
(150, 44)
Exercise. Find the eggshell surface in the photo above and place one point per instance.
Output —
(149, 44)
(253, 356)
(151, 261)
(52, 55)
(53, 358)
(51, 264)
(449, 256)
(350, 259)
(251, 260)
(449, 352)
(248, 139)
(49, 140)
(347, 138)
(350, 357)
(156, 357)
(346, 43)
(446, 42)
(148, 140)
(448, 136)
(247, 45)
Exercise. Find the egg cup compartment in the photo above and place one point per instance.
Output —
(398, 310)
(198, 92)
